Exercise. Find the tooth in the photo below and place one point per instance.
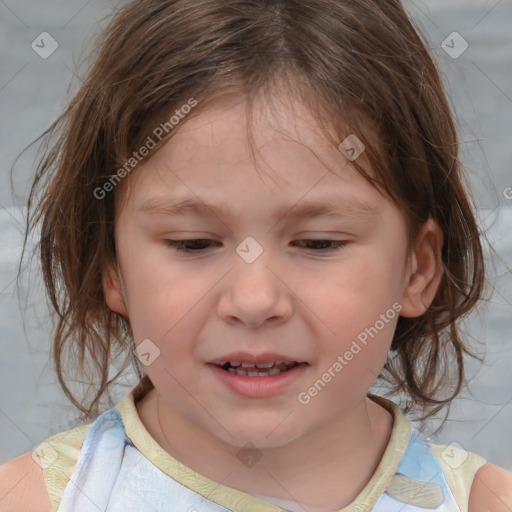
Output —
(247, 365)
(246, 373)
(235, 363)
(264, 365)
(252, 373)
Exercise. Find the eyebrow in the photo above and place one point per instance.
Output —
(336, 207)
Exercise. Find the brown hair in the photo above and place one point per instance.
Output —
(353, 63)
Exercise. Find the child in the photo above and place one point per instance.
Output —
(258, 309)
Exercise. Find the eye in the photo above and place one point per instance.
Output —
(181, 245)
(326, 245)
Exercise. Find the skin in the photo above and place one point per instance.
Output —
(286, 301)
(292, 300)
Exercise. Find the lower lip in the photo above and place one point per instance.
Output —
(258, 387)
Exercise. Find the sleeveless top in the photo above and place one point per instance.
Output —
(114, 465)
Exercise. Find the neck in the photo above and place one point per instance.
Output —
(307, 470)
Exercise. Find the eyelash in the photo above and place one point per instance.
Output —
(179, 245)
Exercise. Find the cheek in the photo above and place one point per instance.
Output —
(355, 294)
(159, 295)
(358, 307)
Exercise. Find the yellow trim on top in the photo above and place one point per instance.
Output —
(58, 455)
(242, 502)
(459, 475)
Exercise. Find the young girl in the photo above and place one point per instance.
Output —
(258, 309)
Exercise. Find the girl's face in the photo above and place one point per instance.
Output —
(267, 279)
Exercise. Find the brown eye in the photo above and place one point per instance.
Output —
(189, 245)
(326, 245)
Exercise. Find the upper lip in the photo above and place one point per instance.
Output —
(246, 357)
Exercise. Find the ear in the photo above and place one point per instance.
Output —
(113, 290)
(426, 271)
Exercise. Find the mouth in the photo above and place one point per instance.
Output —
(257, 376)
(259, 369)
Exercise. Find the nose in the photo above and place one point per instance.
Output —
(256, 293)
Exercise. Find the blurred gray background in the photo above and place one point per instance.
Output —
(34, 88)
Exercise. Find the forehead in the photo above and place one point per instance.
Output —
(208, 159)
(231, 127)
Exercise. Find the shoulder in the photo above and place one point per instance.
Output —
(44, 471)
(22, 485)
(491, 490)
